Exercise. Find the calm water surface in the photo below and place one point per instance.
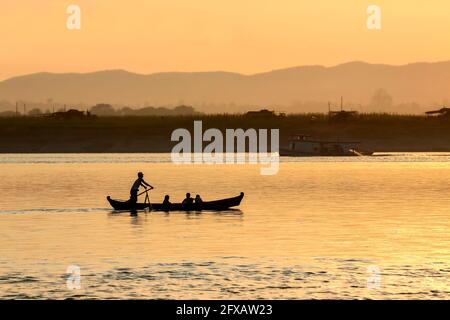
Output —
(320, 228)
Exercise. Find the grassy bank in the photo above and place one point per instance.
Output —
(378, 132)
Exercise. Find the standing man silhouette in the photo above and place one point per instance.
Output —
(135, 188)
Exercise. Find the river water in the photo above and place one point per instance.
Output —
(347, 228)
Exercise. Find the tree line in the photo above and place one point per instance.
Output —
(107, 110)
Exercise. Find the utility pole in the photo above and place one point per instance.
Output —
(17, 109)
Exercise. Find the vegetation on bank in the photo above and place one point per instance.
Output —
(379, 132)
(309, 120)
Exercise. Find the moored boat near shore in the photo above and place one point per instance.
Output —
(305, 145)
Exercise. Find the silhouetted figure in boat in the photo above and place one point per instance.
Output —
(135, 189)
(166, 200)
(198, 200)
(166, 203)
(188, 201)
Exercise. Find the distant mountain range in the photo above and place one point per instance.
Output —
(423, 83)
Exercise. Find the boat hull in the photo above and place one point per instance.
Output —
(349, 153)
(217, 205)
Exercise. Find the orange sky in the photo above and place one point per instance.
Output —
(245, 36)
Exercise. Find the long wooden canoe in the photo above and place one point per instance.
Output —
(216, 205)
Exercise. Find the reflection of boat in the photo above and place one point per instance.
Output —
(305, 145)
(217, 205)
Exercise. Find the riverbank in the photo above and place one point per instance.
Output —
(377, 132)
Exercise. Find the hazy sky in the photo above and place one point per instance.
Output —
(246, 36)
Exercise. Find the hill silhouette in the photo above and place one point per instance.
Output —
(423, 83)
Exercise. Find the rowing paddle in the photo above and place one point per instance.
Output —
(146, 190)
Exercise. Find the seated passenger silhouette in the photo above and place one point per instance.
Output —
(188, 201)
(166, 203)
(198, 200)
